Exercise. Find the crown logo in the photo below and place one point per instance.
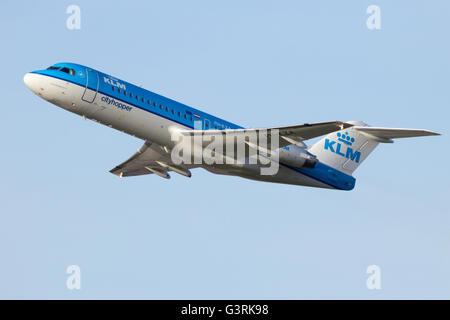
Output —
(345, 138)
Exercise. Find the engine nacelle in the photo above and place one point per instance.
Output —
(297, 157)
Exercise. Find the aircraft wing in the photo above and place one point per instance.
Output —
(287, 135)
(150, 158)
(153, 158)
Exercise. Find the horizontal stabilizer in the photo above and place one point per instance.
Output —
(381, 134)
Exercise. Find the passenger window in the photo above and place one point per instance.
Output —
(125, 92)
(167, 109)
(112, 88)
(173, 111)
(148, 101)
(154, 104)
(118, 90)
(131, 95)
(137, 97)
(160, 106)
(179, 113)
(143, 100)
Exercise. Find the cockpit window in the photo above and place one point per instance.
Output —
(69, 71)
(53, 68)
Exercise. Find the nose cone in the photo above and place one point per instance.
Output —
(32, 81)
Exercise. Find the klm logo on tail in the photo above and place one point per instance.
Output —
(344, 141)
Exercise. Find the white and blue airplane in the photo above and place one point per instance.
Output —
(92, 94)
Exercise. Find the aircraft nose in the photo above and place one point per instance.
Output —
(31, 81)
(27, 79)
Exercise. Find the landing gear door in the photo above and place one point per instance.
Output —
(90, 92)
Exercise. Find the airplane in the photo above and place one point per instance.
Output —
(328, 163)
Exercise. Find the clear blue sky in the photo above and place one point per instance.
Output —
(256, 64)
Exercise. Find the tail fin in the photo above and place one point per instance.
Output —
(345, 150)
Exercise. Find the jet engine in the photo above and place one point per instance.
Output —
(296, 157)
